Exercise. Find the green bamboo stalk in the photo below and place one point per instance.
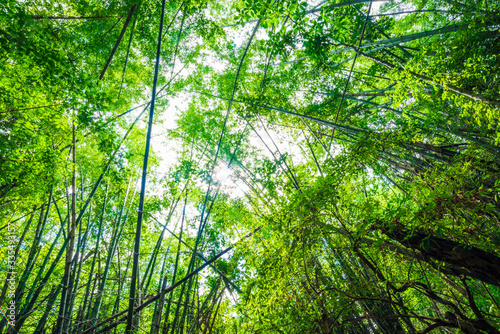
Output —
(111, 252)
(115, 47)
(152, 261)
(158, 310)
(171, 288)
(350, 74)
(292, 175)
(96, 283)
(312, 153)
(92, 267)
(135, 268)
(316, 10)
(201, 226)
(195, 301)
(185, 309)
(34, 248)
(128, 51)
(174, 275)
(314, 119)
(178, 41)
(68, 280)
(387, 43)
(202, 257)
(120, 287)
(80, 250)
(216, 312)
(121, 284)
(453, 88)
(52, 299)
(411, 37)
(206, 311)
(179, 301)
(202, 313)
(31, 255)
(17, 219)
(45, 279)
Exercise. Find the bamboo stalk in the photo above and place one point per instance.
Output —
(115, 47)
(128, 53)
(135, 267)
(156, 297)
(111, 252)
(16, 253)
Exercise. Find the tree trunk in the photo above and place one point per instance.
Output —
(69, 17)
(127, 22)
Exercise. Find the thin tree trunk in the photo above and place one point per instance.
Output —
(69, 17)
(77, 269)
(50, 304)
(111, 252)
(313, 155)
(128, 52)
(174, 275)
(45, 280)
(69, 251)
(96, 253)
(156, 321)
(34, 251)
(453, 88)
(120, 287)
(135, 268)
(156, 297)
(16, 253)
(127, 22)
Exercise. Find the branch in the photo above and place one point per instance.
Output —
(127, 22)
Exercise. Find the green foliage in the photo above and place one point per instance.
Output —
(357, 197)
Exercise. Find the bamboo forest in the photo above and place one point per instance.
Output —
(249, 166)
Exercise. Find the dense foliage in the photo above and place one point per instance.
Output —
(250, 166)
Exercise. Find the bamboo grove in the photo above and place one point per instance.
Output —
(250, 166)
